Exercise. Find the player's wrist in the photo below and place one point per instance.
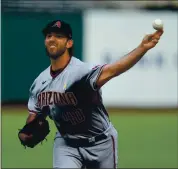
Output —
(142, 48)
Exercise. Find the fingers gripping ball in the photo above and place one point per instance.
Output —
(34, 132)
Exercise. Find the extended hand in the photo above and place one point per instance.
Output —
(150, 41)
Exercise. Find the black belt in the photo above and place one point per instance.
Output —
(77, 142)
(86, 141)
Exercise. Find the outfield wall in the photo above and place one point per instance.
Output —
(100, 37)
(23, 54)
(109, 35)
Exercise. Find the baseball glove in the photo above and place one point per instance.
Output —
(34, 132)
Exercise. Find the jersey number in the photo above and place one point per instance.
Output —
(74, 117)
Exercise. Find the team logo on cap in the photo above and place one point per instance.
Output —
(57, 24)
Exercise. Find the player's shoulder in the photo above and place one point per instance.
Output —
(76, 62)
(80, 68)
(43, 76)
(78, 65)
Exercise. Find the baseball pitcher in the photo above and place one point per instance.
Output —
(69, 92)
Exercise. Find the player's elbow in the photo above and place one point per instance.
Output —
(107, 74)
(111, 71)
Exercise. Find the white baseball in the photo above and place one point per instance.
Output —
(158, 24)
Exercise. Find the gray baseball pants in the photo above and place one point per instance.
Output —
(97, 154)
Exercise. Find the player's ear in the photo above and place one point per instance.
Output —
(45, 41)
(69, 43)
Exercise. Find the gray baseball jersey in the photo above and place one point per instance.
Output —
(75, 103)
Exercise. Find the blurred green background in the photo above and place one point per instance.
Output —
(147, 139)
(23, 52)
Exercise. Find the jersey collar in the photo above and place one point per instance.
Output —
(54, 74)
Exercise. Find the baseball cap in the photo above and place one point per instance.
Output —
(58, 26)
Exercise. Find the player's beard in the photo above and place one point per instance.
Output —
(57, 54)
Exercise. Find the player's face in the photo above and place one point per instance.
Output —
(56, 45)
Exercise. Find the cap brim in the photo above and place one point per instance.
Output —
(52, 29)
